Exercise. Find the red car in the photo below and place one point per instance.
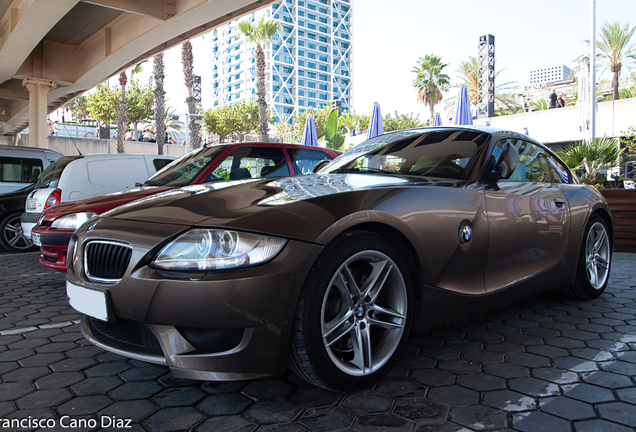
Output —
(205, 165)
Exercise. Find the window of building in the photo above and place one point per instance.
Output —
(323, 96)
(301, 92)
(311, 75)
(323, 77)
(323, 87)
(323, 58)
(322, 10)
(323, 29)
(311, 36)
(311, 45)
(312, 7)
(312, 94)
(301, 82)
(324, 68)
(311, 56)
(301, 63)
(311, 26)
(301, 13)
(311, 65)
(311, 16)
(323, 48)
(323, 39)
(312, 85)
(323, 20)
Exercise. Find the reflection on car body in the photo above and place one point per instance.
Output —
(332, 271)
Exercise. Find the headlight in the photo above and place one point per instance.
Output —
(210, 249)
(72, 221)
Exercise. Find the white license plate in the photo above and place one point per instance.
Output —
(35, 238)
(87, 301)
(32, 204)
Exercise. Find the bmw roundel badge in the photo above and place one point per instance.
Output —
(465, 234)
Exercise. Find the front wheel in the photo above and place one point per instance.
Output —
(353, 315)
(11, 236)
(594, 261)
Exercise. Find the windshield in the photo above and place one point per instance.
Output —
(51, 175)
(184, 170)
(430, 153)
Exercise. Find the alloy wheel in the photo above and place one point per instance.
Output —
(364, 313)
(597, 255)
(14, 236)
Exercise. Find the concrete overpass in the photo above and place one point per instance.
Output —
(54, 50)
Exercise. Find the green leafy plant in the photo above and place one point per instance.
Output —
(334, 137)
(591, 158)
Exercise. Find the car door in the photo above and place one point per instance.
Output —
(528, 218)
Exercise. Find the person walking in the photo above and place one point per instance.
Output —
(527, 105)
(552, 100)
(561, 102)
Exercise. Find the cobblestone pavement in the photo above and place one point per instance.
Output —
(547, 364)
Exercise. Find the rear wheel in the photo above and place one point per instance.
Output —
(11, 236)
(353, 315)
(594, 261)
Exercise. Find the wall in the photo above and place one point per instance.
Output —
(67, 146)
(562, 124)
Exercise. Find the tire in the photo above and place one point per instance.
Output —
(595, 260)
(346, 332)
(11, 237)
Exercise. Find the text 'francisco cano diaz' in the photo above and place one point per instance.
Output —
(65, 422)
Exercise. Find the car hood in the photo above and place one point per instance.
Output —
(101, 204)
(227, 203)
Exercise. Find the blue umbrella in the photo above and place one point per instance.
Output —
(309, 135)
(437, 120)
(463, 116)
(375, 124)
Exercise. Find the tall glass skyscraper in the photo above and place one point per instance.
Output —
(309, 62)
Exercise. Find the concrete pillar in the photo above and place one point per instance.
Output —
(38, 90)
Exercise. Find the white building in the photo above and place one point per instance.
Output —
(549, 74)
(309, 62)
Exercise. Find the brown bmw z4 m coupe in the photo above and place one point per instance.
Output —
(328, 273)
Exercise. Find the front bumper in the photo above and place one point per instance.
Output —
(28, 222)
(54, 247)
(211, 326)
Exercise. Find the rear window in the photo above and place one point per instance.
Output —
(51, 175)
(20, 170)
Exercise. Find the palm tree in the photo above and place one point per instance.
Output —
(122, 115)
(188, 74)
(592, 158)
(160, 95)
(170, 126)
(615, 48)
(259, 35)
(430, 82)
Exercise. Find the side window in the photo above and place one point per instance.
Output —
(251, 162)
(160, 163)
(21, 170)
(304, 161)
(535, 164)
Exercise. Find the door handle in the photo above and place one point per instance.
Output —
(559, 203)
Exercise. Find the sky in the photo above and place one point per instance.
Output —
(388, 41)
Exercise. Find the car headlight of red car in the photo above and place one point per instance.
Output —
(213, 249)
(72, 221)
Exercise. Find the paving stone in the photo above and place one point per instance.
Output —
(629, 356)
(484, 357)
(268, 390)
(567, 408)
(403, 388)
(548, 351)
(14, 355)
(454, 395)
(608, 345)
(233, 423)
(507, 370)
(608, 380)
(414, 361)
(593, 354)
(510, 401)
(434, 377)
(627, 395)
(96, 386)
(620, 367)
(315, 398)
(75, 364)
(59, 380)
(505, 347)
(136, 390)
(575, 364)
(28, 343)
(441, 353)
(44, 399)
(185, 396)
(367, 402)
(588, 393)
(537, 421)
(144, 373)
(381, 423)
(14, 390)
(271, 412)
(84, 405)
(420, 410)
(482, 382)
(556, 375)
(600, 426)
(224, 404)
(26, 374)
(56, 347)
(173, 419)
(326, 419)
(528, 360)
(209, 386)
(459, 367)
(619, 412)
(105, 369)
(480, 418)
(135, 410)
(534, 387)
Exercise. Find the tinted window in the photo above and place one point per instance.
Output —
(21, 170)
(251, 162)
(535, 164)
(447, 154)
(160, 163)
(51, 175)
(183, 171)
(304, 161)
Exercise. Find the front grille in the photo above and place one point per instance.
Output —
(106, 260)
(129, 333)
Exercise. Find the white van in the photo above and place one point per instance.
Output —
(74, 178)
(21, 166)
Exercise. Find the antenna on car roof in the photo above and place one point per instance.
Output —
(72, 140)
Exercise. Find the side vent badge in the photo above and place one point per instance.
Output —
(465, 234)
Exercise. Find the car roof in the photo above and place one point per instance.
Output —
(11, 147)
(269, 144)
(477, 128)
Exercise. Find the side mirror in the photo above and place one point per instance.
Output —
(508, 161)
